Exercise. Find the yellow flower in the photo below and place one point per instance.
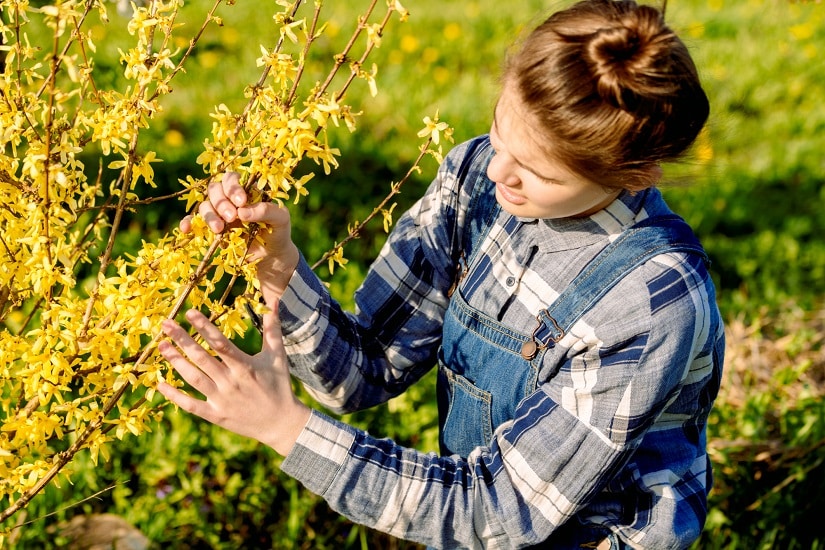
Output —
(337, 257)
(433, 128)
(409, 43)
(452, 31)
(402, 11)
(374, 35)
(67, 345)
(387, 215)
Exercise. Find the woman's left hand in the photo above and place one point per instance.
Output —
(250, 395)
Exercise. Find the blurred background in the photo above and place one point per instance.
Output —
(753, 189)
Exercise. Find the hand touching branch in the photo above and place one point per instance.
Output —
(250, 395)
(277, 254)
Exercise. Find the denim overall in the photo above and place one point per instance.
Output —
(485, 368)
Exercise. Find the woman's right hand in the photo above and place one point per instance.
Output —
(277, 255)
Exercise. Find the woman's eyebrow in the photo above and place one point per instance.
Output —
(521, 164)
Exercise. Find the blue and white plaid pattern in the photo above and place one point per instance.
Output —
(614, 437)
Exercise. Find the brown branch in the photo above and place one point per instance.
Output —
(49, 82)
(342, 57)
(67, 507)
(363, 58)
(192, 43)
(394, 190)
(49, 127)
(88, 67)
(138, 202)
(62, 459)
(310, 40)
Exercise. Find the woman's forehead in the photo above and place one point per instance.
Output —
(524, 137)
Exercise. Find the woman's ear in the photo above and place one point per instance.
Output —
(654, 175)
(646, 178)
(635, 179)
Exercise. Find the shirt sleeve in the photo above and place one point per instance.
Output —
(351, 361)
(585, 440)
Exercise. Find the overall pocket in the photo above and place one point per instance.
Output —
(467, 414)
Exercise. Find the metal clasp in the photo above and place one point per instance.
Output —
(533, 346)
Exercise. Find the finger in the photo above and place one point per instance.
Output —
(193, 375)
(212, 219)
(220, 344)
(274, 228)
(190, 404)
(266, 213)
(185, 224)
(256, 252)
(220, 203)
(273, 337)
(192, 351)
(232, 188)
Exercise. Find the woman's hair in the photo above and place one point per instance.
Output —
(614, 89)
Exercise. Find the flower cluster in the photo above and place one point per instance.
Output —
(77, 359)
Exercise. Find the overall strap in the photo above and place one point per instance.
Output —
(634, 246)
(483, 207)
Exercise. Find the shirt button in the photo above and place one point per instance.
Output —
(510, 281)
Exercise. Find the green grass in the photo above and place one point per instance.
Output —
(753, 190)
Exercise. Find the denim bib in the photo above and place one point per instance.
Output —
(486, 368)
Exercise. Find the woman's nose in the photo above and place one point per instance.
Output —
(502, 169)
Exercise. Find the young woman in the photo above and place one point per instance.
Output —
(569, 312)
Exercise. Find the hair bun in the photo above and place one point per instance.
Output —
(624, 56)
(611, 88)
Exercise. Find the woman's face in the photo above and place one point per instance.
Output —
(529, 183)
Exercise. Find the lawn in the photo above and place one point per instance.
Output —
(753, 189)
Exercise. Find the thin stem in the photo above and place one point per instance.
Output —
(192, 43)
(310, 40)
(342, 58)
(63, 458)
(49, 127)
(394, 190)
(59, 58)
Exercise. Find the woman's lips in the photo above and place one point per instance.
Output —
(508, 195)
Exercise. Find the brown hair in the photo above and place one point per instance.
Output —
(613, 87)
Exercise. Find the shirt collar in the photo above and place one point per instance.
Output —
(569, 233)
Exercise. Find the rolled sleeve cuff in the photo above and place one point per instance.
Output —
(319, 452)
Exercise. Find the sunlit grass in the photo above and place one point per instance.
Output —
(753, 189)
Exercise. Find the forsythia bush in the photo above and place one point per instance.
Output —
(78, 361)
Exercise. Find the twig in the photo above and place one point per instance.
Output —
(784, 483)
(394, 190)
(58, 58)
(68, 506)
(63, 458)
